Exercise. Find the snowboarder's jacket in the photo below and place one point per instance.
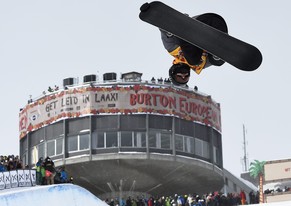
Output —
(171, 44)
(174, 44)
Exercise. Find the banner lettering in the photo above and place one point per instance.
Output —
(115, 100)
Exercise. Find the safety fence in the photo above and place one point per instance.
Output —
(17, 178)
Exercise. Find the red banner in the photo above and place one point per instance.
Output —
(119, 100)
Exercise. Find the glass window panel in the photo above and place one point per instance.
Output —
(198, 147)
(214, 154)
(166, 141)
(179, 142)
(84, 141)
(41, 150)
(100, 140)
(59, 142)
(94, 139)
(140, 139)
(126, 139)
(153, 139)
(72, 143)
(205, 149)
(111, 139)
(51, 149)
(189, 144)
(33, 154)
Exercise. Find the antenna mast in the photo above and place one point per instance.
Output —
(245, 159)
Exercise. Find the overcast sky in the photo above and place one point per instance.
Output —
(44, 42)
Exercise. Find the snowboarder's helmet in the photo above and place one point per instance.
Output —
(179, 74)
(214, 20)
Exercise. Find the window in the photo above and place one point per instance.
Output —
(79, 142)
(153, 139)
(111, 139)
(189, 144)
(202, 148)
(72, 143)
(166, 141)
(41, 150)
(126, 139)
(37, 151)
(59, 147)
(98, 139)
(198, 147)
(215, 155)
(84, 141)
(139, 139)
(179, 142)
(206, 153)
(51, 149)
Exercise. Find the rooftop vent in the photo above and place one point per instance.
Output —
(109, 76)
(68, 81)
(89, 78)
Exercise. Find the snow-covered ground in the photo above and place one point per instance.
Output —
(285, 203)
(51, 195)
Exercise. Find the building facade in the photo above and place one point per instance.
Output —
(127, 137)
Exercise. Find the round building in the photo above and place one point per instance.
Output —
(127, 137)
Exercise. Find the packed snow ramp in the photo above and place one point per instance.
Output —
(56, 195)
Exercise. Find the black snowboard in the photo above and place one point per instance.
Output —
(240, 54)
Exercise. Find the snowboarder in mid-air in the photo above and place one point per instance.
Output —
(198, 42)
(186, 55)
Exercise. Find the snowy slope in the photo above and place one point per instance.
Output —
(52, 195)
(285, 203)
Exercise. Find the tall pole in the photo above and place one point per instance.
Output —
(245, 150)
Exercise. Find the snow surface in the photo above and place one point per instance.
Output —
(56, 195)
(285, 203)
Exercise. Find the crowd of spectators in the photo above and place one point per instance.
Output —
(211, 199)
(10, 162)
(46, 173)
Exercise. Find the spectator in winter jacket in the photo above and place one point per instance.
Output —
(50, 171)
(63, 176)
(243, 197)
(38, 171)
(2, 167)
